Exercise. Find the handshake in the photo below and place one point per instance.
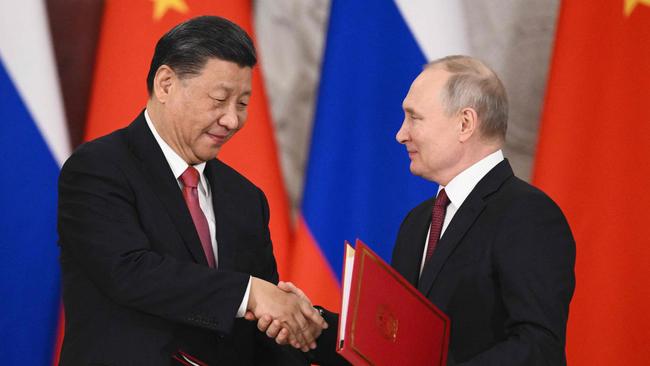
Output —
(285, 313)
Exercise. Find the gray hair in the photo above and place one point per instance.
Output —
(473, 84)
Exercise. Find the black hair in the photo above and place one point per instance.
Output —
(188, 46)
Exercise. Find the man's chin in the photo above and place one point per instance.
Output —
(417, 171)
(209, 154)
(414, 169)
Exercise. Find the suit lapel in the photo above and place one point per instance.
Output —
(459, 225)
(223, 207)
(463, 220)
(162, 181)
(412, 257)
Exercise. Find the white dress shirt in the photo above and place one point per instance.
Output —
(178, 167)
(460, 187)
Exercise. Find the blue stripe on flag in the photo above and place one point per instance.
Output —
(29, 274)
(358, 182)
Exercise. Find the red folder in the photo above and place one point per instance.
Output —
(384, 319)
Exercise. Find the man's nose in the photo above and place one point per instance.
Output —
(229, 118)
(402, 134)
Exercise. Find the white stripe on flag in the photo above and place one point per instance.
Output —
(439, 26)
(27, 52)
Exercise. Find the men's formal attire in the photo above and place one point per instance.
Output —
(137, 288)
(503, 269)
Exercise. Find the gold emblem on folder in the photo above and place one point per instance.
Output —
(386, 322)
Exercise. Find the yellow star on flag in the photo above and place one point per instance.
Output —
(631, 4)
(160, 7)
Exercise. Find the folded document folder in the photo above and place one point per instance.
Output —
(384, 319)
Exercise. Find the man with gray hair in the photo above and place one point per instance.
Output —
(493, 252)
(490, 250)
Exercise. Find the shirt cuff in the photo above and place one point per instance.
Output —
(244, 303)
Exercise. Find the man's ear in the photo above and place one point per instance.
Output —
(163, 82)
(468, 123)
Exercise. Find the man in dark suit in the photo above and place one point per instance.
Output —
(164, 248)
(490, 250)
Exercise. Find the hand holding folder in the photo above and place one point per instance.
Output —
(384, 319)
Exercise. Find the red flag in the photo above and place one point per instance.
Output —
(592, 159)
(310, 270)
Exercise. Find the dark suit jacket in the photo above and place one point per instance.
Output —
(136, 286)
(503, 271)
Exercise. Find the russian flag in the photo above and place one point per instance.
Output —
(33, 145)
(358, 182)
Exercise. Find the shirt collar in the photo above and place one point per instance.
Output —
(176, 163)
(462, 185)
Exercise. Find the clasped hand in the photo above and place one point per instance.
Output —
(285, 313)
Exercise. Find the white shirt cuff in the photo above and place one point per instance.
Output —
(244, 303)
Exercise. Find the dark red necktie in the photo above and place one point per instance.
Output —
(437, 219)
(190, 180)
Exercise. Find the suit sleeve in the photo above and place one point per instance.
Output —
(325, 354)
(534, 254)
(100, 235)
(269, 272)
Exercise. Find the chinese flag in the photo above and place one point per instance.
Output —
(130, 30)
(592, 159)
